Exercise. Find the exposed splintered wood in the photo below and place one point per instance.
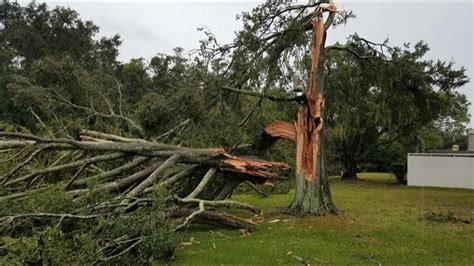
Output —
(318, 35)
(254, 167)
(306, 130)
(309, 121)
(312, 195)
(308, 126)
(281, 129)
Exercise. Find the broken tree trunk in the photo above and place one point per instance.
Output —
(312, 194)
(199, 179)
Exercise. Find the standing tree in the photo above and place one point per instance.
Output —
(390, 99)
(312, 194)
(262, 63)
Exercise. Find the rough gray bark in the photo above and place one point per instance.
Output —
(313, 197)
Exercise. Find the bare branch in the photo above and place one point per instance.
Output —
(19, 166)
(188, 219)
(348, 48)
(41, 122)
(14, 144)
(105, 136)
(116, 171)
(91, 110)
(259, 95)
(256, 189)
(136, 242)
(207, 178)
(181, 126)
(222, 203)
(249, 115)
(138, 190)
(9, 219)
(76, 175)
(63, 167)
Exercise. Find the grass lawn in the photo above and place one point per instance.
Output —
(379, 223)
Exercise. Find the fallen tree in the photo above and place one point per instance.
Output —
(124, 172)
(188, 173)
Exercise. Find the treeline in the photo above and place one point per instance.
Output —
(58, 77)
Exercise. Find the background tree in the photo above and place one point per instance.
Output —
(392, 98)
(46, 44)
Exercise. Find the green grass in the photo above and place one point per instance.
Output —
(380, 222)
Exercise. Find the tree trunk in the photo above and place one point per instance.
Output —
(313, 197)
(351, 171)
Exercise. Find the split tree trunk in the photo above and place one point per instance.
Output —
(312, 196)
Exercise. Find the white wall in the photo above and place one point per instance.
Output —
(470, 140)
(455, 170)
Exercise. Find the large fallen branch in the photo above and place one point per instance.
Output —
(198, 179)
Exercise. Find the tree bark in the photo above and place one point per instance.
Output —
(312, 195)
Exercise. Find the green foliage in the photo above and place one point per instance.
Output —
(50, 52)
(430, 139)
(149, 223)
(57, 77)
(80, 242)
(33, 32)
(51, 199)
(52, 247)
(364, 120)
(135, 78)
(382, 110)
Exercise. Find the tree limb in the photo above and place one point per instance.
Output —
(207, 177)
(263, 96)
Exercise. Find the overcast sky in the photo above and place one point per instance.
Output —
(152, 27)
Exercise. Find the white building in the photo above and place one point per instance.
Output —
(443, 169)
